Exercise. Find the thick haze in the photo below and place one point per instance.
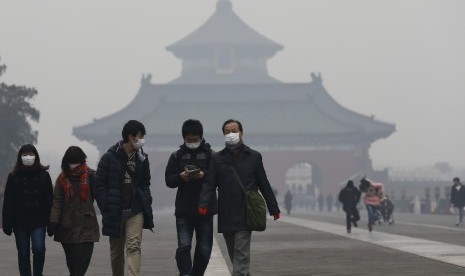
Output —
(402, 61)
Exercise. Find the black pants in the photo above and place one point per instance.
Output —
(78, 257)
(351, 215)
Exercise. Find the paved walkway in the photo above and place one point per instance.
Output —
(305, 245)
(444, 252)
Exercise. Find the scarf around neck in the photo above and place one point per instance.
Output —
(80, 171)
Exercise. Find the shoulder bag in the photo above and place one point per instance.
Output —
(256, 206)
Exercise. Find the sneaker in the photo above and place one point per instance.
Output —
(354, 223)
(348, 231)
(370, 227)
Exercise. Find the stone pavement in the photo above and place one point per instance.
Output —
(288, 247)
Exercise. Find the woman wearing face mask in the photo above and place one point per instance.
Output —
(73, 221)
(26, 208)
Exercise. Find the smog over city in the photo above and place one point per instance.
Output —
(293, 137)
(398, 62)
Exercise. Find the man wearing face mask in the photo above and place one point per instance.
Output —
(457, 199)
(185, 171)
(236, 158)
(122, 192)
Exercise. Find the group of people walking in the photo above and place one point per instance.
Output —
(198, 173)
(350, 196)
(32, 207)
(379, 206)
(207, 183)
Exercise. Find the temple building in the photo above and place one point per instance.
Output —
(224, 75)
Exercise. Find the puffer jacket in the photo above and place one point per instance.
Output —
(76, 220)
(108, 184)
(349, 196)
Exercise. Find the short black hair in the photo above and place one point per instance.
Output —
(24, 149)
(192, 127)
(456, 179)
(227, 122)
(73, 155)
(350, 184)
(132, 127)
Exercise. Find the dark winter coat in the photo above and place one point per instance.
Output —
(27, 199)
(231, 199)
(108, 184)
(349, 197)
(187, 196)
(76, 220)
(457, 198)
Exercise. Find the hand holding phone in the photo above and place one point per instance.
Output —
(191, 169)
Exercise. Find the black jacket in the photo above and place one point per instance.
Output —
(231, 199)
(187, 196)
(349, 196)
(457, 197)
(27, 200)
(108, 184)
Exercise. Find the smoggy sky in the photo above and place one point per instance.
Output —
(402, 61)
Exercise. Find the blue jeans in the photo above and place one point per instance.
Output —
(24, 239)
(372, 214)
(203, 227)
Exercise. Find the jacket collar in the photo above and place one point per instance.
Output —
(119, 152)
(227, 157)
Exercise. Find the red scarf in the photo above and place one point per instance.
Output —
(80, 171)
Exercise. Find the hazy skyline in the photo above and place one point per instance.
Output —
(401, 61)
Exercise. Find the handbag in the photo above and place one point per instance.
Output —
(256, 206)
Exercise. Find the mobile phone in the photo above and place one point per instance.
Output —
(191, 169)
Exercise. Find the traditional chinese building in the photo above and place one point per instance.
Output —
(224, 75)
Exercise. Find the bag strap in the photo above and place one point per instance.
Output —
(237, 178)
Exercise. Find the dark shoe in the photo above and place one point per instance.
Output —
(370, 227)
(354, 223)
(348, 231)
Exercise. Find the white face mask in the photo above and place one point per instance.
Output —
(73, 166)
(28, 160)
(192, 145)
(139, 144)
(232, 138)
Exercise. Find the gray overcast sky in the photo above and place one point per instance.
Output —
(401, 60)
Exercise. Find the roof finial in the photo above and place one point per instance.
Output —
(224, 5)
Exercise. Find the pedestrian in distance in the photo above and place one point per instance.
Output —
(387, 208)
(232, 168)
(288, 202)
(320, 202)
(457, 199)
(372, 200)
(73, 221)
(329, 202)
(185, 171)
(349, 196)
(122, 192)
(26, 209)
